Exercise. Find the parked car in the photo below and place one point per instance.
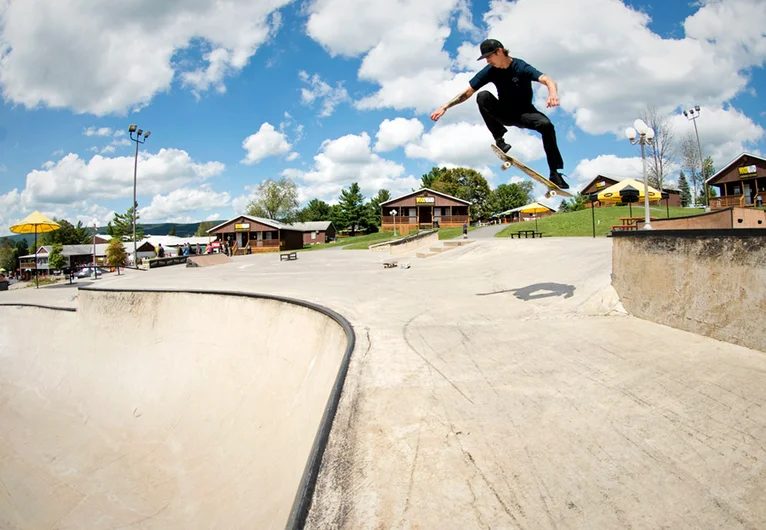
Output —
(87, 272)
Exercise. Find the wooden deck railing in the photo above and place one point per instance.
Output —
(443, 220)
(717, 203)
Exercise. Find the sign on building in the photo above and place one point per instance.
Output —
(424, 200)
(747, 171)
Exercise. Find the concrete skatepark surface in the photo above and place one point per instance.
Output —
(500, 385)
(150, 410)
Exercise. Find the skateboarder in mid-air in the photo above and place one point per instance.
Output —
(513, 79)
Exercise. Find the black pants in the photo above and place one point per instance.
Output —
(497, 116)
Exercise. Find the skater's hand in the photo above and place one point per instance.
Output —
(553, 101)
(438, 113)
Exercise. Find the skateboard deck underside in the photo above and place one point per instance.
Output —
(552, 188)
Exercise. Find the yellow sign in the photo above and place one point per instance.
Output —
(422, 200)
(747, 171)
(242, 226)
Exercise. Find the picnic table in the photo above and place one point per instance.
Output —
(526, 233)
(628, 223)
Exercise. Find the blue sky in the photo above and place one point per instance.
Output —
(329, 92)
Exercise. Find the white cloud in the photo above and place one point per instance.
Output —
(322, 92)
(266, 142)
(468, 145)
(610, 65)
(723, 132)
(101, 131)
(99, 58)
(178, 204)
(345, 160)
(397, 132)
(73, 179)
(610, 166)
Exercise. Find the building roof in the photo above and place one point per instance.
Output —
(268, 222)
(728, 166)
(597, 178)
(296, 227)
(422, 190)
(311, 226)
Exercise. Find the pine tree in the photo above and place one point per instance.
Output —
(172, 230)
(683, 185)
(356, 213)
(122, 226)
(116, 255)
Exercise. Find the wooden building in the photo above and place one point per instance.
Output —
(741, 183)
(246, 234)
(424, 209)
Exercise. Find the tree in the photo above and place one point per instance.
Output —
(315, 210)
(427, 180)
(7, 255)
(56, 261)
(277, 200)
(662, 150)
(66, 235)
(122, 226)
(708, 170)
(574, 204)
(116, 255)
(691, 162)
(355, 213)
(172, 230)
(469, 185)
(683, 185)
(202, 229)
(22, 249)
(380, 198)
(509, 196)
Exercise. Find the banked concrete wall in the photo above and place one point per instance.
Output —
(711, 282)
(400, 246)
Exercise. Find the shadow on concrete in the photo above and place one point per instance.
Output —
(538, 290)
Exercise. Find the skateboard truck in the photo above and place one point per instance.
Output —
(509, 161)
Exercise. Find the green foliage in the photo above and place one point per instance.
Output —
(683, 185)
(427, 180)
(122, 226)
(116, 255)
(380, 198)
(66, 235)
(574, 204)
(202, 229)
(315, 210)
(277, 200)
(469, 185)
(508, 196)
(8, 258)
(354, 214)
(172, 230)
(55, 260)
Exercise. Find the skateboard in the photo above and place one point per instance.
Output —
(508, 161)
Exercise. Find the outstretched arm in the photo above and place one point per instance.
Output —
(463, 96)
(553, 93)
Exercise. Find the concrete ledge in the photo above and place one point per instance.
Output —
(710, 282)
(206, 260)
(408, 243)
(164, 262)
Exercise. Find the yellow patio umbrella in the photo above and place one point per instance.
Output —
(35, 223)
(535, 207)
(612, 193)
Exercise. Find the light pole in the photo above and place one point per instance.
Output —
(132, 129)
(393, 213)
(693, 114)
(643, 134)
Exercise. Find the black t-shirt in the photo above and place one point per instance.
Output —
(514, 84)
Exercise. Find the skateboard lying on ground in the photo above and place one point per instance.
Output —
(508, 161)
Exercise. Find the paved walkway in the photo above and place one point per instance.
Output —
(500, 385)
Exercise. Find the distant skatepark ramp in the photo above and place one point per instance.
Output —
(157, 409)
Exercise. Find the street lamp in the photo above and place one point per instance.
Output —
(693, 114)
(138, 132)
(393, 213)
(643, 134)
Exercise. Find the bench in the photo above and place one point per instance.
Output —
(526, 234)
(288, 256)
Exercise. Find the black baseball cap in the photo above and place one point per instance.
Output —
(488, 47)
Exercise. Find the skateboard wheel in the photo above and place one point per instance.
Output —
(506, 165)
(552, 193)
(547, 194)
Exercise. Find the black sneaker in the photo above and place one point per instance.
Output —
(558, 180)
(504, 147)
